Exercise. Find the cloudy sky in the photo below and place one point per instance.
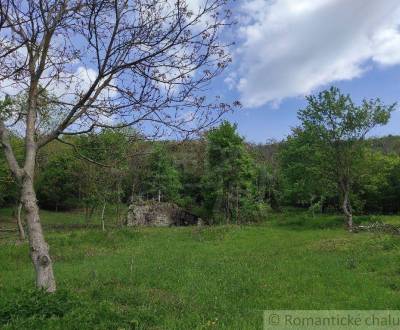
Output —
(290, 48)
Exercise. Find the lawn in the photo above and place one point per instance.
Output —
(197, 278)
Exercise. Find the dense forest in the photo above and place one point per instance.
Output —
(219, 176)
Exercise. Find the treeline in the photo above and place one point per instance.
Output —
(216, 176)
(325, 165)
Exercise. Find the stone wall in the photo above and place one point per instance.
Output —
(158, 214)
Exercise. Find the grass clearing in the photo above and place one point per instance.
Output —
(198, 278)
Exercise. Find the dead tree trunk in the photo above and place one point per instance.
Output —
(21, 229)
(39, 250)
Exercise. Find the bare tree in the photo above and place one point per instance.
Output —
(91, 64)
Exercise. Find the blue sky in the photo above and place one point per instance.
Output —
(288, 49)
(274, 122)
(284, 50)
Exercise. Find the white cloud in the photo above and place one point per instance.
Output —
(195, 4)
(291, 47)
(70, 86)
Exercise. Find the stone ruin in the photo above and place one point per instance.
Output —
(159, 214)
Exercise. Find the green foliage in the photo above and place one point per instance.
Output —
(8, 186)
(102, 168)
(6, 106)
(189, 158)
(230, 176)
(56, 186)
(162, 179)
(107, 147)
(336, 118)
(305, 179)
(268, 184)
(221, 177)
(93, 172)
(378, 186)
(337, 128)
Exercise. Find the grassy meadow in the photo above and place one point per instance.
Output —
(218, 277)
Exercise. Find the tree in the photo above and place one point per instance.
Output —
(102, 168)
(304, 179)
(56, 188)
(379, 183)
(98, 64)
(339, 127)
(268, 183)
(189, 159)
(162, 180)
(229, 175)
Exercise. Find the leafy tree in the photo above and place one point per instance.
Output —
(229, 176)
(304, 180)
(162, 180)
(189, 159)
(390, 192)
(268, 182)
(56, 186)
(340, 126)
(378, 185)
(101, 170)
(91, 174)
(268, 185)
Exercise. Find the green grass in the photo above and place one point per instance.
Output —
(198, 278)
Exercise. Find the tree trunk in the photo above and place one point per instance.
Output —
(311, 206)
(21, 229)
(39, 250)
(227, 207)
(321, 207)
(347, 210)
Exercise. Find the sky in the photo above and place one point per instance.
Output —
(286, 49)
